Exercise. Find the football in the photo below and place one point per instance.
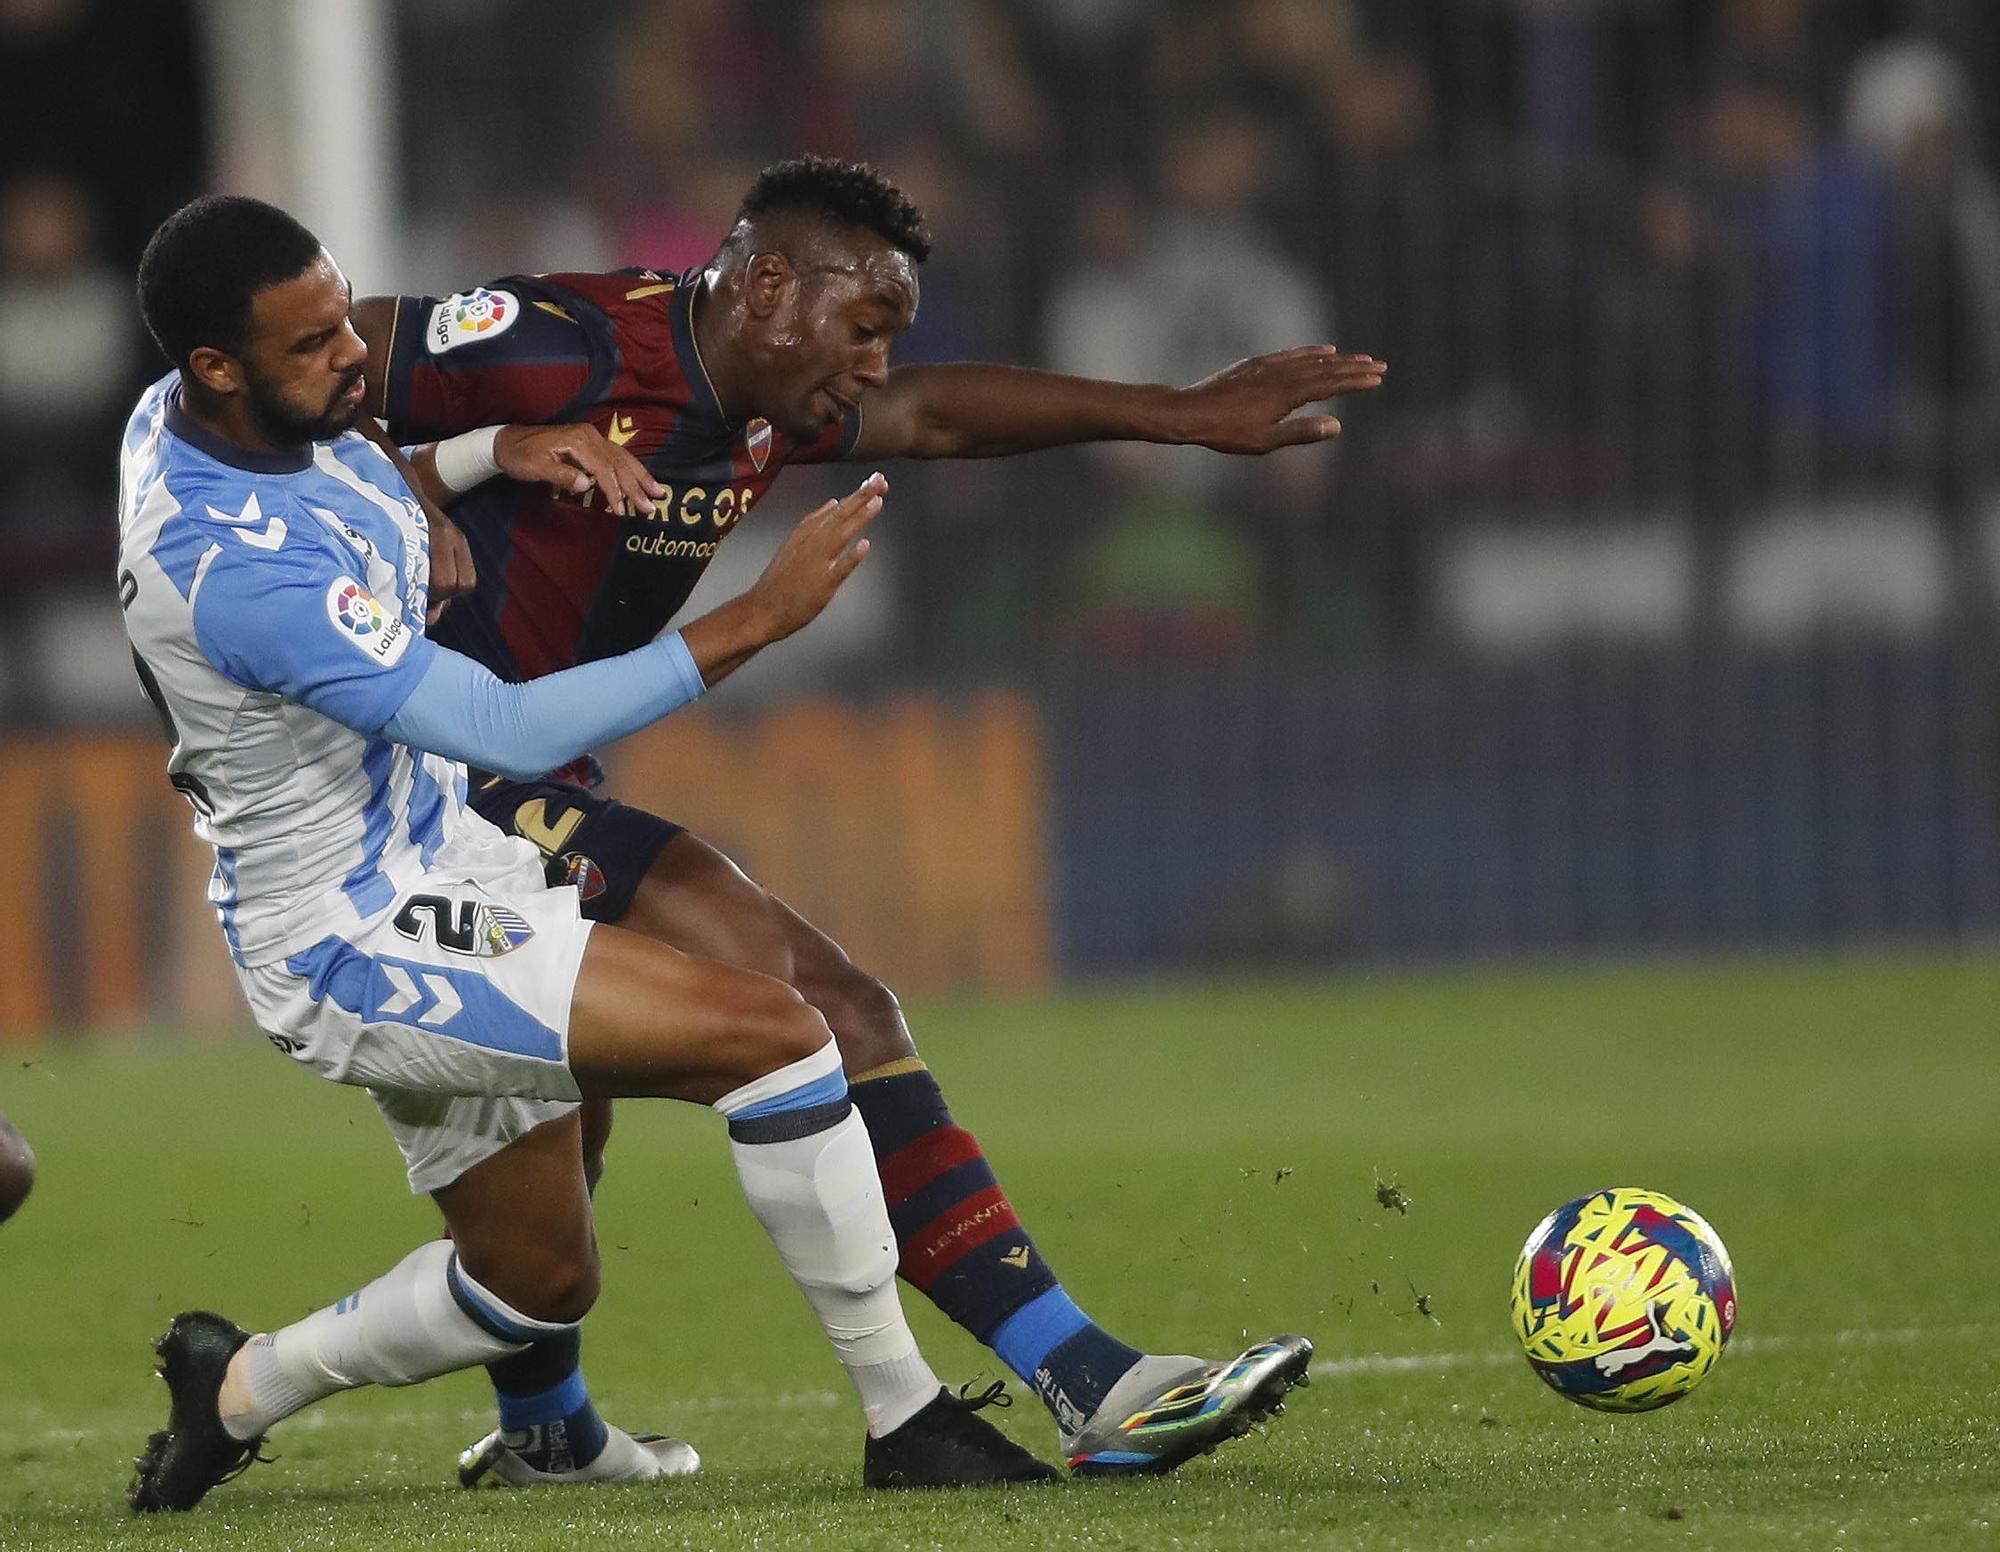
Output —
(1623, 1300)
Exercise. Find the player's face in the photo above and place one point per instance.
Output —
(302, 375)
(837, 339)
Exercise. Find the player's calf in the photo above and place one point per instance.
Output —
(521, 1220)
(522, 1223)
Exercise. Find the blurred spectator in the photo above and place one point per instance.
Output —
(704, 99)
(1170, 294)
(1795, 232)
(1192, 284)
(1911, 105)
(108, 92)
(1805, 41)
(962, 308)
(863, 77)
(1615, 250)
(66, 364)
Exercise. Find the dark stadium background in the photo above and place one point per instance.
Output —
(1303, 874)
(1648, 607)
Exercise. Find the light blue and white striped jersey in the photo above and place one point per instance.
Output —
(276, 609)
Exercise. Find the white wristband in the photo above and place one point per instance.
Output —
(465, 460)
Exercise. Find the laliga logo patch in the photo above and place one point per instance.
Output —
(355, 608)
(465, 316)
(374, 631)
(757, 437)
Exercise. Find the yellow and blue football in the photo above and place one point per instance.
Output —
(1623, 1300)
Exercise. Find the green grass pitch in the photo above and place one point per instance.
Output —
(1199, 1164)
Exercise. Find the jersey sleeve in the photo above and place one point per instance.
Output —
(296, 621)
(515, 351)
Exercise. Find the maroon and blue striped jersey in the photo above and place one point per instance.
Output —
(561, 580)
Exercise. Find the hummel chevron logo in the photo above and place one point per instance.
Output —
(404, 995)
(246, 520)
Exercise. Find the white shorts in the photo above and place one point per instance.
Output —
(452, 1010)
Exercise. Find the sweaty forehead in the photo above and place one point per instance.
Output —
(852, 261)
(881, 274)
(309, 302)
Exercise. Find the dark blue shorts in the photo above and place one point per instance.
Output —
(595, 843)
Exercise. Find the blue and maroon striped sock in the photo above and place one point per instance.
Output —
(964, 1248)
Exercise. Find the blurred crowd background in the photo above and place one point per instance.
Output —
(1648, 603)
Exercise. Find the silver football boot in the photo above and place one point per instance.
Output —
(1167, 1410)
(625, 1458)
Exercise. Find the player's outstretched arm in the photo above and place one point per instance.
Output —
(982, 411)
(17, 1169)
(460, 709)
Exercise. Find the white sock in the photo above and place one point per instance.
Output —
(803, 1155)
(422, 1318)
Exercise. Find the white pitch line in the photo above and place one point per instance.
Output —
(819, 1400)
(1860, 1336)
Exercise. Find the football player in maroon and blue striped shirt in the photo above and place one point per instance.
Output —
(778, 352)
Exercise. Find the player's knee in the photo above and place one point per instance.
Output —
(868, 1021)
(790, 1030)
(552, 1276)
(559, 1285)
(17, 1170)
(573, 1283)
(864, 1014)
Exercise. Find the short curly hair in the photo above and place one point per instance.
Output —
(850, 194)
(205, 264)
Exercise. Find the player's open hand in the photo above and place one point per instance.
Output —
(574, 459)
(1251, 407)
(817, 556)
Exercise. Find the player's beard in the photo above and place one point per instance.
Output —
(283, 424)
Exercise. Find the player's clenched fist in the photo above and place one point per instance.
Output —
(452, 571)
(818, 555)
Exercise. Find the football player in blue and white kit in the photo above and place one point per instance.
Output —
(273, 571)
